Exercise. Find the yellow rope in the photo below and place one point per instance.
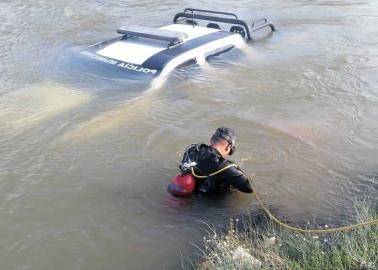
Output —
(285, 225)
(318, 231)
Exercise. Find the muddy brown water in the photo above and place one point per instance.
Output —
(85, 158)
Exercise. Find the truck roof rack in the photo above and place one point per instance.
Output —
(191, 10)
(225, 17)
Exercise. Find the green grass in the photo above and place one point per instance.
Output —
(279, 249)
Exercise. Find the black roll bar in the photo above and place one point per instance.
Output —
(192, 10)
(261, 23)
(215, 19)
(190, 13)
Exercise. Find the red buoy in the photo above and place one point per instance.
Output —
(182, 185)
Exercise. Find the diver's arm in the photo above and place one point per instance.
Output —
(241, 183)
(235, 177)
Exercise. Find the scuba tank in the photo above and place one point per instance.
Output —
(183, 184)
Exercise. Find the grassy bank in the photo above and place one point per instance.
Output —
(244, 246)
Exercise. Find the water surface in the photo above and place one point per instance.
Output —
(85, 158)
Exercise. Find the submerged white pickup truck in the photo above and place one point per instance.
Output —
(194, 35)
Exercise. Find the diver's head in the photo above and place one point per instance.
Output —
(223, 140)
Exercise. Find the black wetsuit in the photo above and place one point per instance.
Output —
(209, 160)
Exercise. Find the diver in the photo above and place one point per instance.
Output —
(205, 168)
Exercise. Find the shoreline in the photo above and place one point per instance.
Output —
(247, 246)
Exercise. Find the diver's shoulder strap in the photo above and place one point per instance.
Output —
(224, 166)
(230, 169)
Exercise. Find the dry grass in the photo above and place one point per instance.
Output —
(278, 249)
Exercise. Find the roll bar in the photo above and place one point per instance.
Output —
(210, 11)
(261, 23)
(202, 14)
